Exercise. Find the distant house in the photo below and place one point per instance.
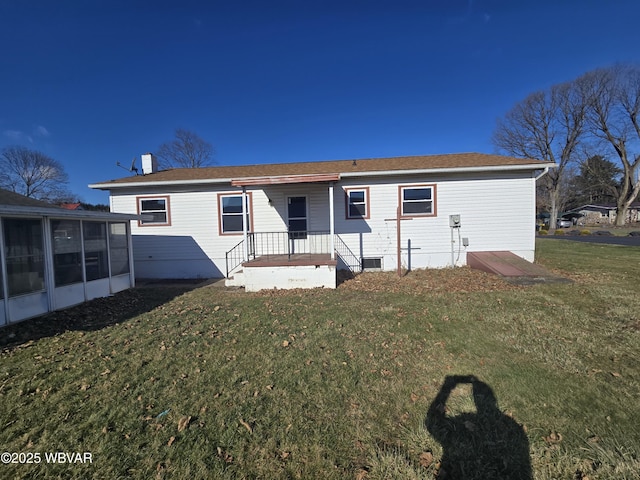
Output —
(604, 214)
(72, 206)
(52, 258)
(293, 225)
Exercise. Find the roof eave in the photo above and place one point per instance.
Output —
(367, 173)
(167, 183)
(285, 179)
(491, 168)
(62, 213)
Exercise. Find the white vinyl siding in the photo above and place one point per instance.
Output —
(194, 247)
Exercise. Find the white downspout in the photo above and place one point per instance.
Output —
(332, 229)
(544, 172)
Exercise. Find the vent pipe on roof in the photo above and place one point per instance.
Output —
(149, 164)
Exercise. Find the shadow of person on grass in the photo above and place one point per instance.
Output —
(481, 445)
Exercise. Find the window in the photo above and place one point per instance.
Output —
(357, 202)
(24, 255)
(155, 210)
(95, 250)
(230, 209)
(67, 252)
(118, 248)
(418, 200)
(372, 264)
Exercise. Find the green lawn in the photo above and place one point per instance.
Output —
(214, 383)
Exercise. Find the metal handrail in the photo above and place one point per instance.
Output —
(350, 259)
(234, 257)
(266, 244)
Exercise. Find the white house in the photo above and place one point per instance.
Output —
(300, 221)
(52, 258)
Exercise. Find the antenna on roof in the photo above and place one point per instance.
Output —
(132, 168)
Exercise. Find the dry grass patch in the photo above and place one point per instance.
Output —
(162, 382)
(429, 281)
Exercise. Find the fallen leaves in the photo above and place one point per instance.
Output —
(362, 474)
(246, 425)
(224, 455)
(426, 459)
(184, 423)
(419, 282)
(553, 437)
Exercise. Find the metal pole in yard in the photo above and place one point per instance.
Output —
(245, 227)
(332, 229)
(398, 240)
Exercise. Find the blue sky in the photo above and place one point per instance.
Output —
(91, 83)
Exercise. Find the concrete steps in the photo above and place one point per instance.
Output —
(237, 280)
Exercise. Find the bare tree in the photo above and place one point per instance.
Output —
(547, 125)
(186, 150)
(33, 174)
(614, 106)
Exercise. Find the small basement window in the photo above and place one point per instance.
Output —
(372, 264)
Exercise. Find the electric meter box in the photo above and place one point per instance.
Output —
(454, 221)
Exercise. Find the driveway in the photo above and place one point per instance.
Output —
(609, 240)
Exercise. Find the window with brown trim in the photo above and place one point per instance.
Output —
(357, 202)
(155, 211)
(418, 200)
(230, 213)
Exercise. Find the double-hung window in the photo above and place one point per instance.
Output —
(154, 211)
(230, 213)
(357, 202)
(418, 200)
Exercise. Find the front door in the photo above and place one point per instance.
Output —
(297, 223)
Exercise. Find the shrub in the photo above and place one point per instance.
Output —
(585, 232)
(543, 232)
(559, 232)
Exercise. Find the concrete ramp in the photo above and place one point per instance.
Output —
(512, 267)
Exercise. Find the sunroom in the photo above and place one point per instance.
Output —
(52, 258)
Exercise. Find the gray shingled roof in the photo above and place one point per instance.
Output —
(11, 198)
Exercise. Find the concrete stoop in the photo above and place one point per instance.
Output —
(237, 280)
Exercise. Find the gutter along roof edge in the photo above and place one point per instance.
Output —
(367, 173)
